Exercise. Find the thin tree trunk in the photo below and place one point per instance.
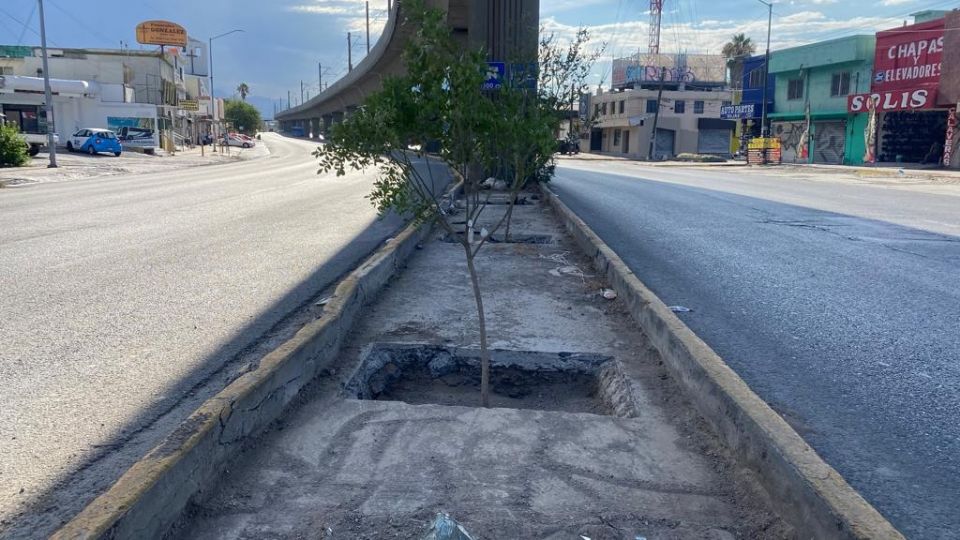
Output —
(484, 353)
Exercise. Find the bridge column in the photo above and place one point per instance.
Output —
(327, 121)
(337, 117)
(315, 128)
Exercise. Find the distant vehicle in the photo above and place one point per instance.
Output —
(95, 140)
(136, 136)
(234, 139)
(566, 147)
(36, 141)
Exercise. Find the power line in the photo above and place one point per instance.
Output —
(18, 21)
(23, 31)
(86, 27)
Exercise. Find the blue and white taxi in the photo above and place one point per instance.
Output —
(95, 140)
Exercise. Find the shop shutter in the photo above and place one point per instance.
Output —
(664, 143)
(714, 141)
(829, 141)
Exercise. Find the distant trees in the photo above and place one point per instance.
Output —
(243, 116)
(243, 90)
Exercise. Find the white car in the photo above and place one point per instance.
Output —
(237, 140)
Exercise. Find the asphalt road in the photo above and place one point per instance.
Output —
(123, 301)
(836, 299)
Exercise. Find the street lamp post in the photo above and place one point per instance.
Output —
(213, 101)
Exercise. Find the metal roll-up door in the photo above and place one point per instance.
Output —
(713, 141)
(665, 139)
(829, 141)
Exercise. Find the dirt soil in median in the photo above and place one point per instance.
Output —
(611, 453)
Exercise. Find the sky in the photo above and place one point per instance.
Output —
(286, 41)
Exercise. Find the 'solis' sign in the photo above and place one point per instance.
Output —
(907, 100)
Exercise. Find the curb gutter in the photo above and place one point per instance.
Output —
(151, 495)
(807, 492)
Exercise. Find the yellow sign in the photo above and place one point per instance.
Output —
(760, 143)
(189, 105)
(161, 33)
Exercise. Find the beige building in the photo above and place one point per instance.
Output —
(689, 122)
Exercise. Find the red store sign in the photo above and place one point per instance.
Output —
(907, 100)
(908, 57)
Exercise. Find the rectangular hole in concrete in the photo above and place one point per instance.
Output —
(538, 239)
(422, 374)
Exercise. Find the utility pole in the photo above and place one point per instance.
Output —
(301, 91)
(656, 118)
(319, 77)
(349, 54)
(48, 94)
(766, 74)
(368, 26)
(288, 99)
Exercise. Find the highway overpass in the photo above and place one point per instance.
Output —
(505, 28)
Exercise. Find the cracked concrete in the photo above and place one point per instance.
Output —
(337, 467)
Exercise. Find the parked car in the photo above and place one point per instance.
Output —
(234, 139)
(95, 140)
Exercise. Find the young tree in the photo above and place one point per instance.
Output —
(243, 90)
(242, 115)
(440, 103)
(563, 77)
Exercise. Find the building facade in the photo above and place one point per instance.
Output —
(689, 122)
(812, 83)
(142, 95)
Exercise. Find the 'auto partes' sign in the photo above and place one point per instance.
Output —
(161, 33)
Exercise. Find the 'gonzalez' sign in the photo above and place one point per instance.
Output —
(161, 33)
(907, 100)
(908, 57)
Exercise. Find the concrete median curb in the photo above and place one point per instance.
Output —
(807, 492)
(151, 495)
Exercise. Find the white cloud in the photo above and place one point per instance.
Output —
(897, 2)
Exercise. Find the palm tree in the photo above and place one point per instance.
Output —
(735, 50)
(243, 90)
(739, 45)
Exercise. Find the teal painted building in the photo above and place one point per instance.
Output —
(819, 77)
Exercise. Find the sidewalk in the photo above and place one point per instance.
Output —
(74, 166)
(589, 434)
(587, 156)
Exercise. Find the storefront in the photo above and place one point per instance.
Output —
(902, 121)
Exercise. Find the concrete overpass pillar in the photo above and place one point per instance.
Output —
(327, 121)
(315, 128)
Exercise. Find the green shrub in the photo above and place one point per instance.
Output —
(13, 149)
(700, 158)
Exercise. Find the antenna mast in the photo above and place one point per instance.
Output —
(656, 14)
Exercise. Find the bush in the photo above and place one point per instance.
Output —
(13, 149)
(700, 158)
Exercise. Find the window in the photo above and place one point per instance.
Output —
(795, 89)
(698, 107)
(621, 106)
(603, 108)
(840, 84)
(6, 70)
(651, 106)
(616, 137)
(679, 106)
(596, 109)
(756, 78)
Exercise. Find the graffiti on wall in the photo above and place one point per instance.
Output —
(791, 135)
(677, 68)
